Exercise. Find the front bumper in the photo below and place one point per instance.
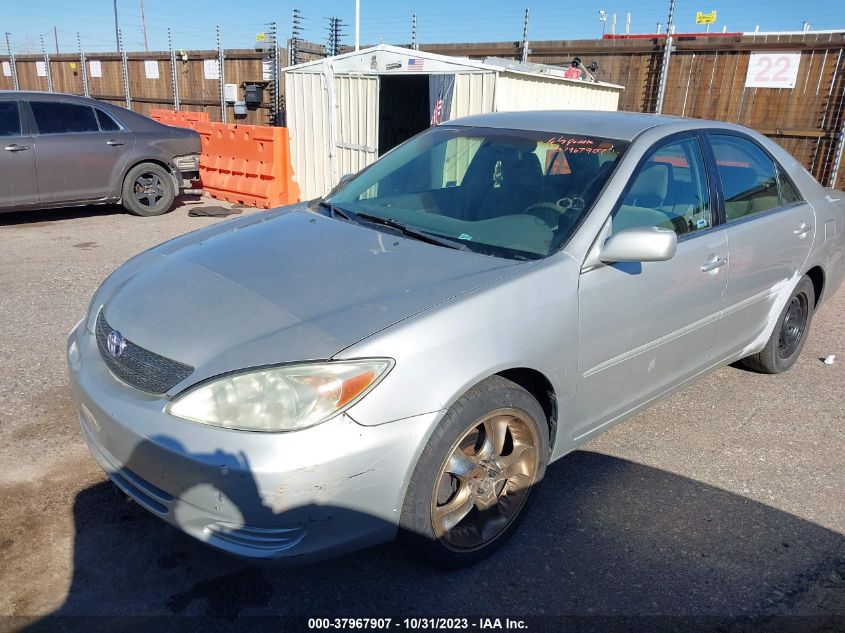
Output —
(191, 183)
(299, 496)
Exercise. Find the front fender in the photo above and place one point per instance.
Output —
(525, 320)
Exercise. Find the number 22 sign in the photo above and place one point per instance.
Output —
(772, 70)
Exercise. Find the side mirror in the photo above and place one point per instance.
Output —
(344, 179)
(640, 244)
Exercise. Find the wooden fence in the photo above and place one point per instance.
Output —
(706, 79)
(196, 92)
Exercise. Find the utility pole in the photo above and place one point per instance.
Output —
(357, 24)
(116, 27)
(414, 32)
(525, 50)
(667, 53)
(144, 26)
(12, 62)
(56, 37)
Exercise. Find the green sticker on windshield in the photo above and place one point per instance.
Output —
(464, 236)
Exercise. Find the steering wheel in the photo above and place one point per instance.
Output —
(562, 207)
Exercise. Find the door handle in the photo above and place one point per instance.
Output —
(14, 147)
(802, 230)
(713, 263)
(113, 143)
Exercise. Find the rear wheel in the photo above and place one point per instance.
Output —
(790, 333)
(148, 189)
(477, 475)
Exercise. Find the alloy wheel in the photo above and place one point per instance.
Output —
(148, 189)
(484, 482)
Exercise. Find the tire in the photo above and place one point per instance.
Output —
(790, 333)
(496, 480)
(154, 181)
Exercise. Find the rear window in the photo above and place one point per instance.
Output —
(107, 124)
(55, 117)
(10, 120)
(747, 174)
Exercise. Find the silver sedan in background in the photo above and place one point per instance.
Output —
(59, 150)
(408, 354)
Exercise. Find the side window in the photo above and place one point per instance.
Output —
(55, 117)
(107, 124)
(10, 118)
(669, 190)
(747, 175)
(788, 193)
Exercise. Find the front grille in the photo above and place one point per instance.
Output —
(138, 367)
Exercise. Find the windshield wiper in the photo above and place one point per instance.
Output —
(333, 210)
(410, 231)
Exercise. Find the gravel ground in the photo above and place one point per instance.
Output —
(723, 500)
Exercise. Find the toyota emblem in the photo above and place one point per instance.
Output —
(115, 343)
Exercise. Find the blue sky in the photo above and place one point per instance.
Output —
(193, 21)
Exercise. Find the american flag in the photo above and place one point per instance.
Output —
(437, 115)
(415, 63)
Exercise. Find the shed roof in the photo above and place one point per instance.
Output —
(387, 59)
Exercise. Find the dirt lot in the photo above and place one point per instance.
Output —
(724, 500)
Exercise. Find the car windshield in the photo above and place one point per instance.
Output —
(507, 193)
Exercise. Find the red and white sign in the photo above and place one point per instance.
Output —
(772, 70)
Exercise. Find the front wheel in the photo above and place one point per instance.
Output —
(148, 190)
(790, 333)
(477, 474)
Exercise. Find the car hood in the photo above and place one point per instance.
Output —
(288, 286)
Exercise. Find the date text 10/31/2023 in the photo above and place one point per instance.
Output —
(417, 623)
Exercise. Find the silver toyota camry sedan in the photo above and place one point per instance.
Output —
(408, 354)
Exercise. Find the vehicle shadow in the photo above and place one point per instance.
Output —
(39, 216)
(606, 537)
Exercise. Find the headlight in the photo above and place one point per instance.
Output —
(286, 398)
(189, 162)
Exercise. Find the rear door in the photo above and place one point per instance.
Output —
(18, 184)
(770, 233)
(80, 152)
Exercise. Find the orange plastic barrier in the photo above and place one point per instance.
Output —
(248, 164)
(179, 119)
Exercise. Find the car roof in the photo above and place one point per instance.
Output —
(616, 125)
(43, 96)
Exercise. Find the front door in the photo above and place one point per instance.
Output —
(18, 186)
(770, 232)
(647, 327)
(77, 160)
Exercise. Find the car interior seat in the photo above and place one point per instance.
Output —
(522, 185)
